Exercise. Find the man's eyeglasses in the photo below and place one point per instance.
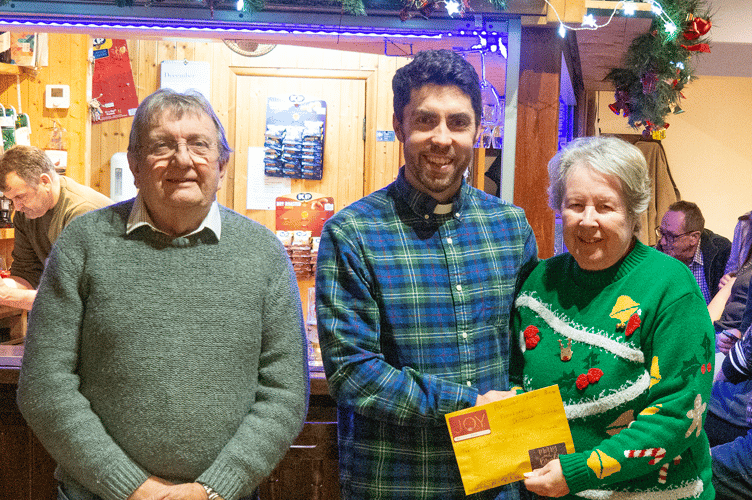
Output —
(669, 237)
(166, 149)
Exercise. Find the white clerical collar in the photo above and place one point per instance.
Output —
(442, 209)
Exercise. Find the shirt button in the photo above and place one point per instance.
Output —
(468, 383)
(459, 288)
(449, 240)
(426, 216)
(464, 335)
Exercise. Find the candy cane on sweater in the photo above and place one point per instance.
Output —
(657, 453)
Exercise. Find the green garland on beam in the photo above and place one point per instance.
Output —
(657, 66)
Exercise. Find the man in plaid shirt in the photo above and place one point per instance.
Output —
(414, 287)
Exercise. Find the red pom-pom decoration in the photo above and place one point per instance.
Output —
(582, 381)
(594, 375)
(531, 337)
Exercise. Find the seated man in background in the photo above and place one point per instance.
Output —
(165, 353)
(682, 235)
(44, 203)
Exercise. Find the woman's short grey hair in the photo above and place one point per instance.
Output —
(609, 156)
(177, 104)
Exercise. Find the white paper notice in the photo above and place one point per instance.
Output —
(263, 190)
(184, 75)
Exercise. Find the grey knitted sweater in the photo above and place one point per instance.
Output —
(182, 359)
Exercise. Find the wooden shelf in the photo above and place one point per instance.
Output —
(9, 69)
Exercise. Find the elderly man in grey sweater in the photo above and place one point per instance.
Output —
(165, 351)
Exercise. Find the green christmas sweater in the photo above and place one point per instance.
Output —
(630, 348)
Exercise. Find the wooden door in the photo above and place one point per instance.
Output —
(344, 149)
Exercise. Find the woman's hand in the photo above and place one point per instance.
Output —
(547, 481)
(493, 396)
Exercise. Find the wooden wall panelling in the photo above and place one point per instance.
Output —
(224, 102)
(67, 64)
(537, 130)
(382, 159)
(385, 157)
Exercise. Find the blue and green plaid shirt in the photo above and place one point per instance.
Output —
(413, 310)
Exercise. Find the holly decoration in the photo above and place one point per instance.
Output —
(657, 66)
(592, 376)
(531, 337)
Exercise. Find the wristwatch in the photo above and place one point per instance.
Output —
(210, 493)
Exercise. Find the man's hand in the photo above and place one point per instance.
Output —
(726, 339)
(493, 396)
(724, 280)
(548, 481)
(156, 488)
(17, 292)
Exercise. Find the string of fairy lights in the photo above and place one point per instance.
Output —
(629, 8)
(457, 8)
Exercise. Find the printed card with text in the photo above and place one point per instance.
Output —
(495, 444)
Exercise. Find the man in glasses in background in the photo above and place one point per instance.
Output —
(682, 234)
(44, 203)
(165, 353)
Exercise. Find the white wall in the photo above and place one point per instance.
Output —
(709, 146)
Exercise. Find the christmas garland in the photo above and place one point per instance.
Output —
(657, 66)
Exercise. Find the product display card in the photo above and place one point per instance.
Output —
(294, 137)
(303, 212)
(495, 444)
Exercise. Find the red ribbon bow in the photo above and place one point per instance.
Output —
(697, 28)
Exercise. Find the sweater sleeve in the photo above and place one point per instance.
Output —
(678, 348)
(48, 386)
(26, 263)
(276, 417)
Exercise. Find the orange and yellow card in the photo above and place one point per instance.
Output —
(495, 444)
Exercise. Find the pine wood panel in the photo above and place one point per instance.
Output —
(380, 160)
(68, 64)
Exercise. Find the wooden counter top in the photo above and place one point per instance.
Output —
(10, 363)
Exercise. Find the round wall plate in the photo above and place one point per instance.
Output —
(248, 48)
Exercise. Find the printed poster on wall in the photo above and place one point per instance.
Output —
(112, 82)
(294, 137)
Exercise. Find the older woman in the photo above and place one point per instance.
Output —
(624, 331)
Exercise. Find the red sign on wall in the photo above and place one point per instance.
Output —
(112, 82)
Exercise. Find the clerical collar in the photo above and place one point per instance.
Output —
(442, 209)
